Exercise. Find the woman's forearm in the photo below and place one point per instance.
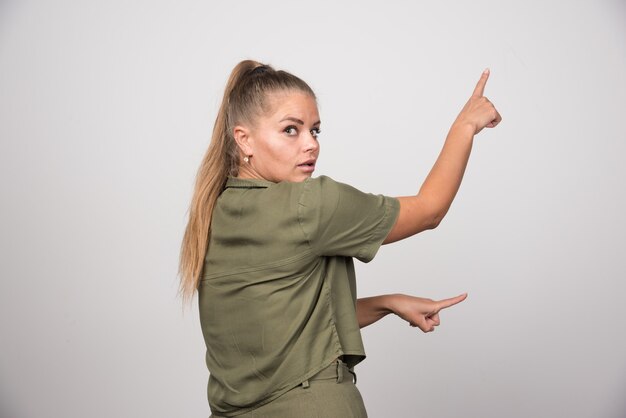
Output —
(372, 309)
(443, 181)
(426, 209)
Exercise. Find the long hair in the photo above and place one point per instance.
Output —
(245, 99)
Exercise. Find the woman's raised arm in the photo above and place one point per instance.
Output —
(426, 209)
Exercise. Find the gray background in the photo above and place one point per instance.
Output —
(106, 109)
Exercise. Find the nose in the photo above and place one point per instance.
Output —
(311, 144)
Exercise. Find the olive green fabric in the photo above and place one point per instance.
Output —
(329, 394)
(278, 294)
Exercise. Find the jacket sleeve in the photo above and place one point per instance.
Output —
(339, 220)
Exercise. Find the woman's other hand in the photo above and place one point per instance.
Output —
(421, 312)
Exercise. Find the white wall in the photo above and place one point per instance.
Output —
(106, 109)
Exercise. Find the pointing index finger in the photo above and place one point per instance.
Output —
(479, 90)
(446, 303)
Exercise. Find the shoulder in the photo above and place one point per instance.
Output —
(324, 185)
(323, 193)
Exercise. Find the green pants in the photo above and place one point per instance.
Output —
(329, 394)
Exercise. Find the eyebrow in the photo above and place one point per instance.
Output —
(298, 121)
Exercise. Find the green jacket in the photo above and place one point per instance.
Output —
(278, 294)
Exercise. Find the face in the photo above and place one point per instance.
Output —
(282, 145)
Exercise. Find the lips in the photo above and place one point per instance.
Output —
(308, 163)
(308, 166)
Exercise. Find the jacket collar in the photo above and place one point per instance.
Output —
(238, 183)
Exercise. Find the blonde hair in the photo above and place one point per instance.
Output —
(245, 99)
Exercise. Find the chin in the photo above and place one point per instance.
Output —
(301, 177)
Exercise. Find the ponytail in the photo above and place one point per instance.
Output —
(244, 98)
(220, 160)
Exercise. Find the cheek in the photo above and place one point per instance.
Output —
(267, 150)
(275, 155)
(275, 152)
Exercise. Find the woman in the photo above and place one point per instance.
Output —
(275, 278)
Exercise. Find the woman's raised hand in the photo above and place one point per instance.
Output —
(421, 312)
(479, 112)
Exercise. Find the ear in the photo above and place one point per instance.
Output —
(243, 139)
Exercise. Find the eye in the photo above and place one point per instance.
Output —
(291, 130)
(316, 132)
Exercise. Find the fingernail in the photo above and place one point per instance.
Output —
(486, 71)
